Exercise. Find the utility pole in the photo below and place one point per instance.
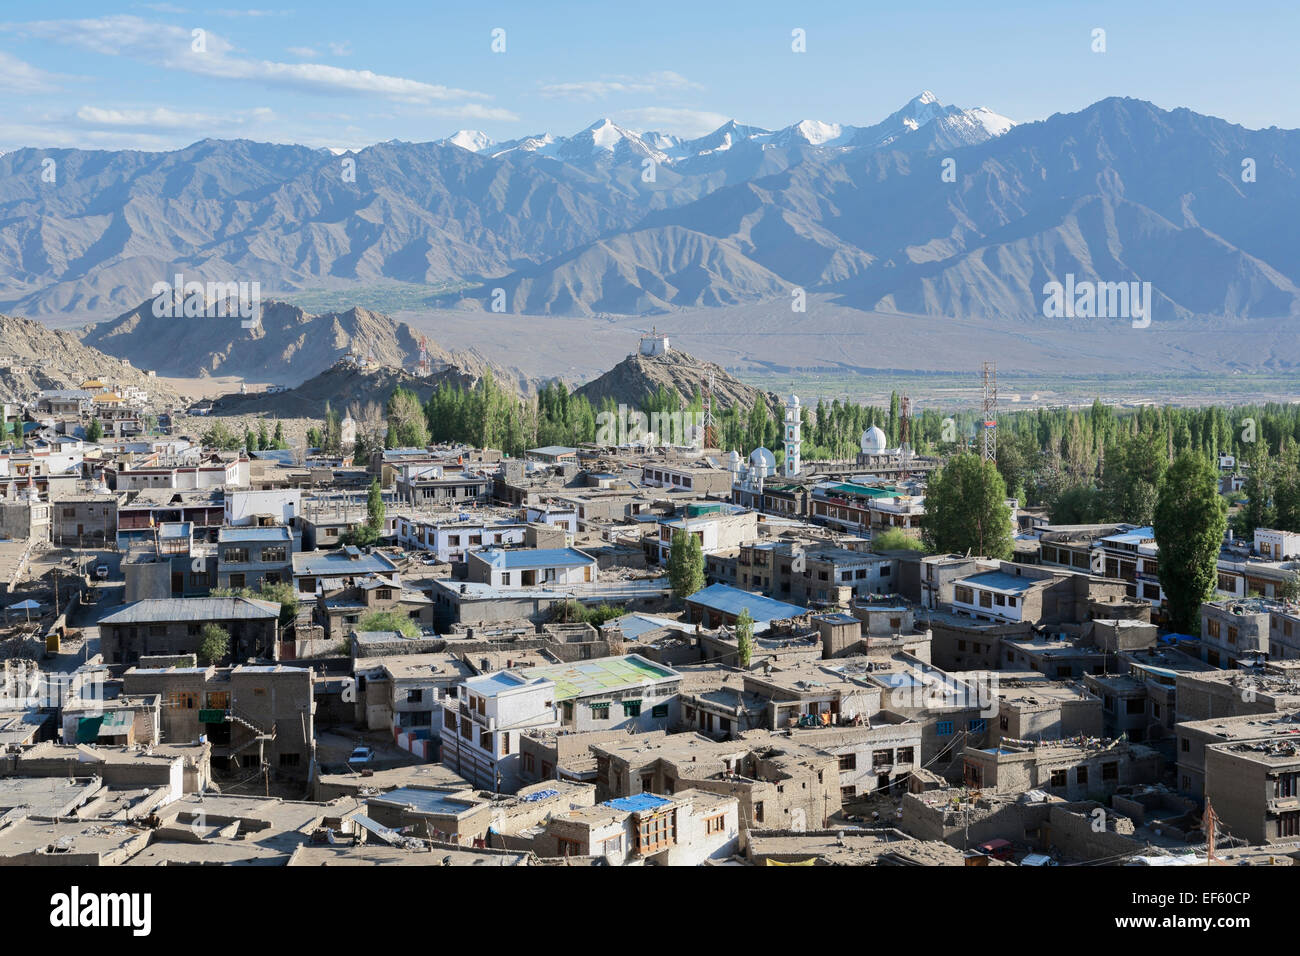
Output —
(990, 419)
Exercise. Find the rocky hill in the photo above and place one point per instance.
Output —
(34, 357)
(347, 387)
(288, 347)
(638, 376)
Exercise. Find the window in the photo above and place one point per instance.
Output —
(657, 832)
(848, 761)
(600, 711)
(415, 696)
(659, 710)
(758, 812)
(647, 782)
(449, 719)
(1288, 824)
(1110, 771)
(904, 756)
(565, 847)
(943, 728)
(1185, 745)
(289, 760)
(978, 726)
(528, 763)
(485, 740)
(1288, 785)
(275, 555)
(1058, 778)
(1134, 705)
(882, 758)
(1212, 627)
(236, 580)
(1081, 775)
(631, 708)
(715, 824)
(1004, 722)
(612, 845)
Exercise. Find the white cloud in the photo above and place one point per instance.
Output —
(659, 83)
(341, 49)
(19, 77)
(170, 47)
(159, 119)
(664, 119)
(305, 52)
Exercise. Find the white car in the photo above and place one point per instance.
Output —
(360, 757)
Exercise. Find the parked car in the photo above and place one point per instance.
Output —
(997, 849)
(361, 756)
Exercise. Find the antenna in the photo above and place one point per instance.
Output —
(990, 411)
(710, 431)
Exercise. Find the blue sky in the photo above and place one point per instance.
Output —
(347, 74)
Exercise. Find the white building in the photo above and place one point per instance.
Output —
(482, 723)
(531, 567)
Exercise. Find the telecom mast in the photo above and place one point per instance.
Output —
(990, 418)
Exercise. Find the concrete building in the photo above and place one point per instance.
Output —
(625, 693)
(530, 567)
(174, 626)
(777, 781)
(684, 829)
(1232, 631)
(1254, 786)
(1073, 769)
(482, 725)
(253, 715)
(248, 557)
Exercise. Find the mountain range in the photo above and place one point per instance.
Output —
(935, 211)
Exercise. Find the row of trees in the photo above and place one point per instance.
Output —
(220, 435)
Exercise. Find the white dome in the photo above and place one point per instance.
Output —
(793, 400)
(873, 441)
(763, 459)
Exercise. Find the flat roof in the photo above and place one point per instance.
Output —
(489, 685)
(428, 801)
(517, 558)
(1001, 581)
(601, 675)
(271, 533)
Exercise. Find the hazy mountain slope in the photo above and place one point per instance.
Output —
(346, 387)
(35, 357)
(289, 347)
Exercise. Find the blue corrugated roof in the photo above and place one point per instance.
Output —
(637, 803)
(729, 600)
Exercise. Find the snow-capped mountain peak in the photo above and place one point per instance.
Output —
(607, 141)
(476, 141)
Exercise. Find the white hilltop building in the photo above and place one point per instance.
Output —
(655, 343)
